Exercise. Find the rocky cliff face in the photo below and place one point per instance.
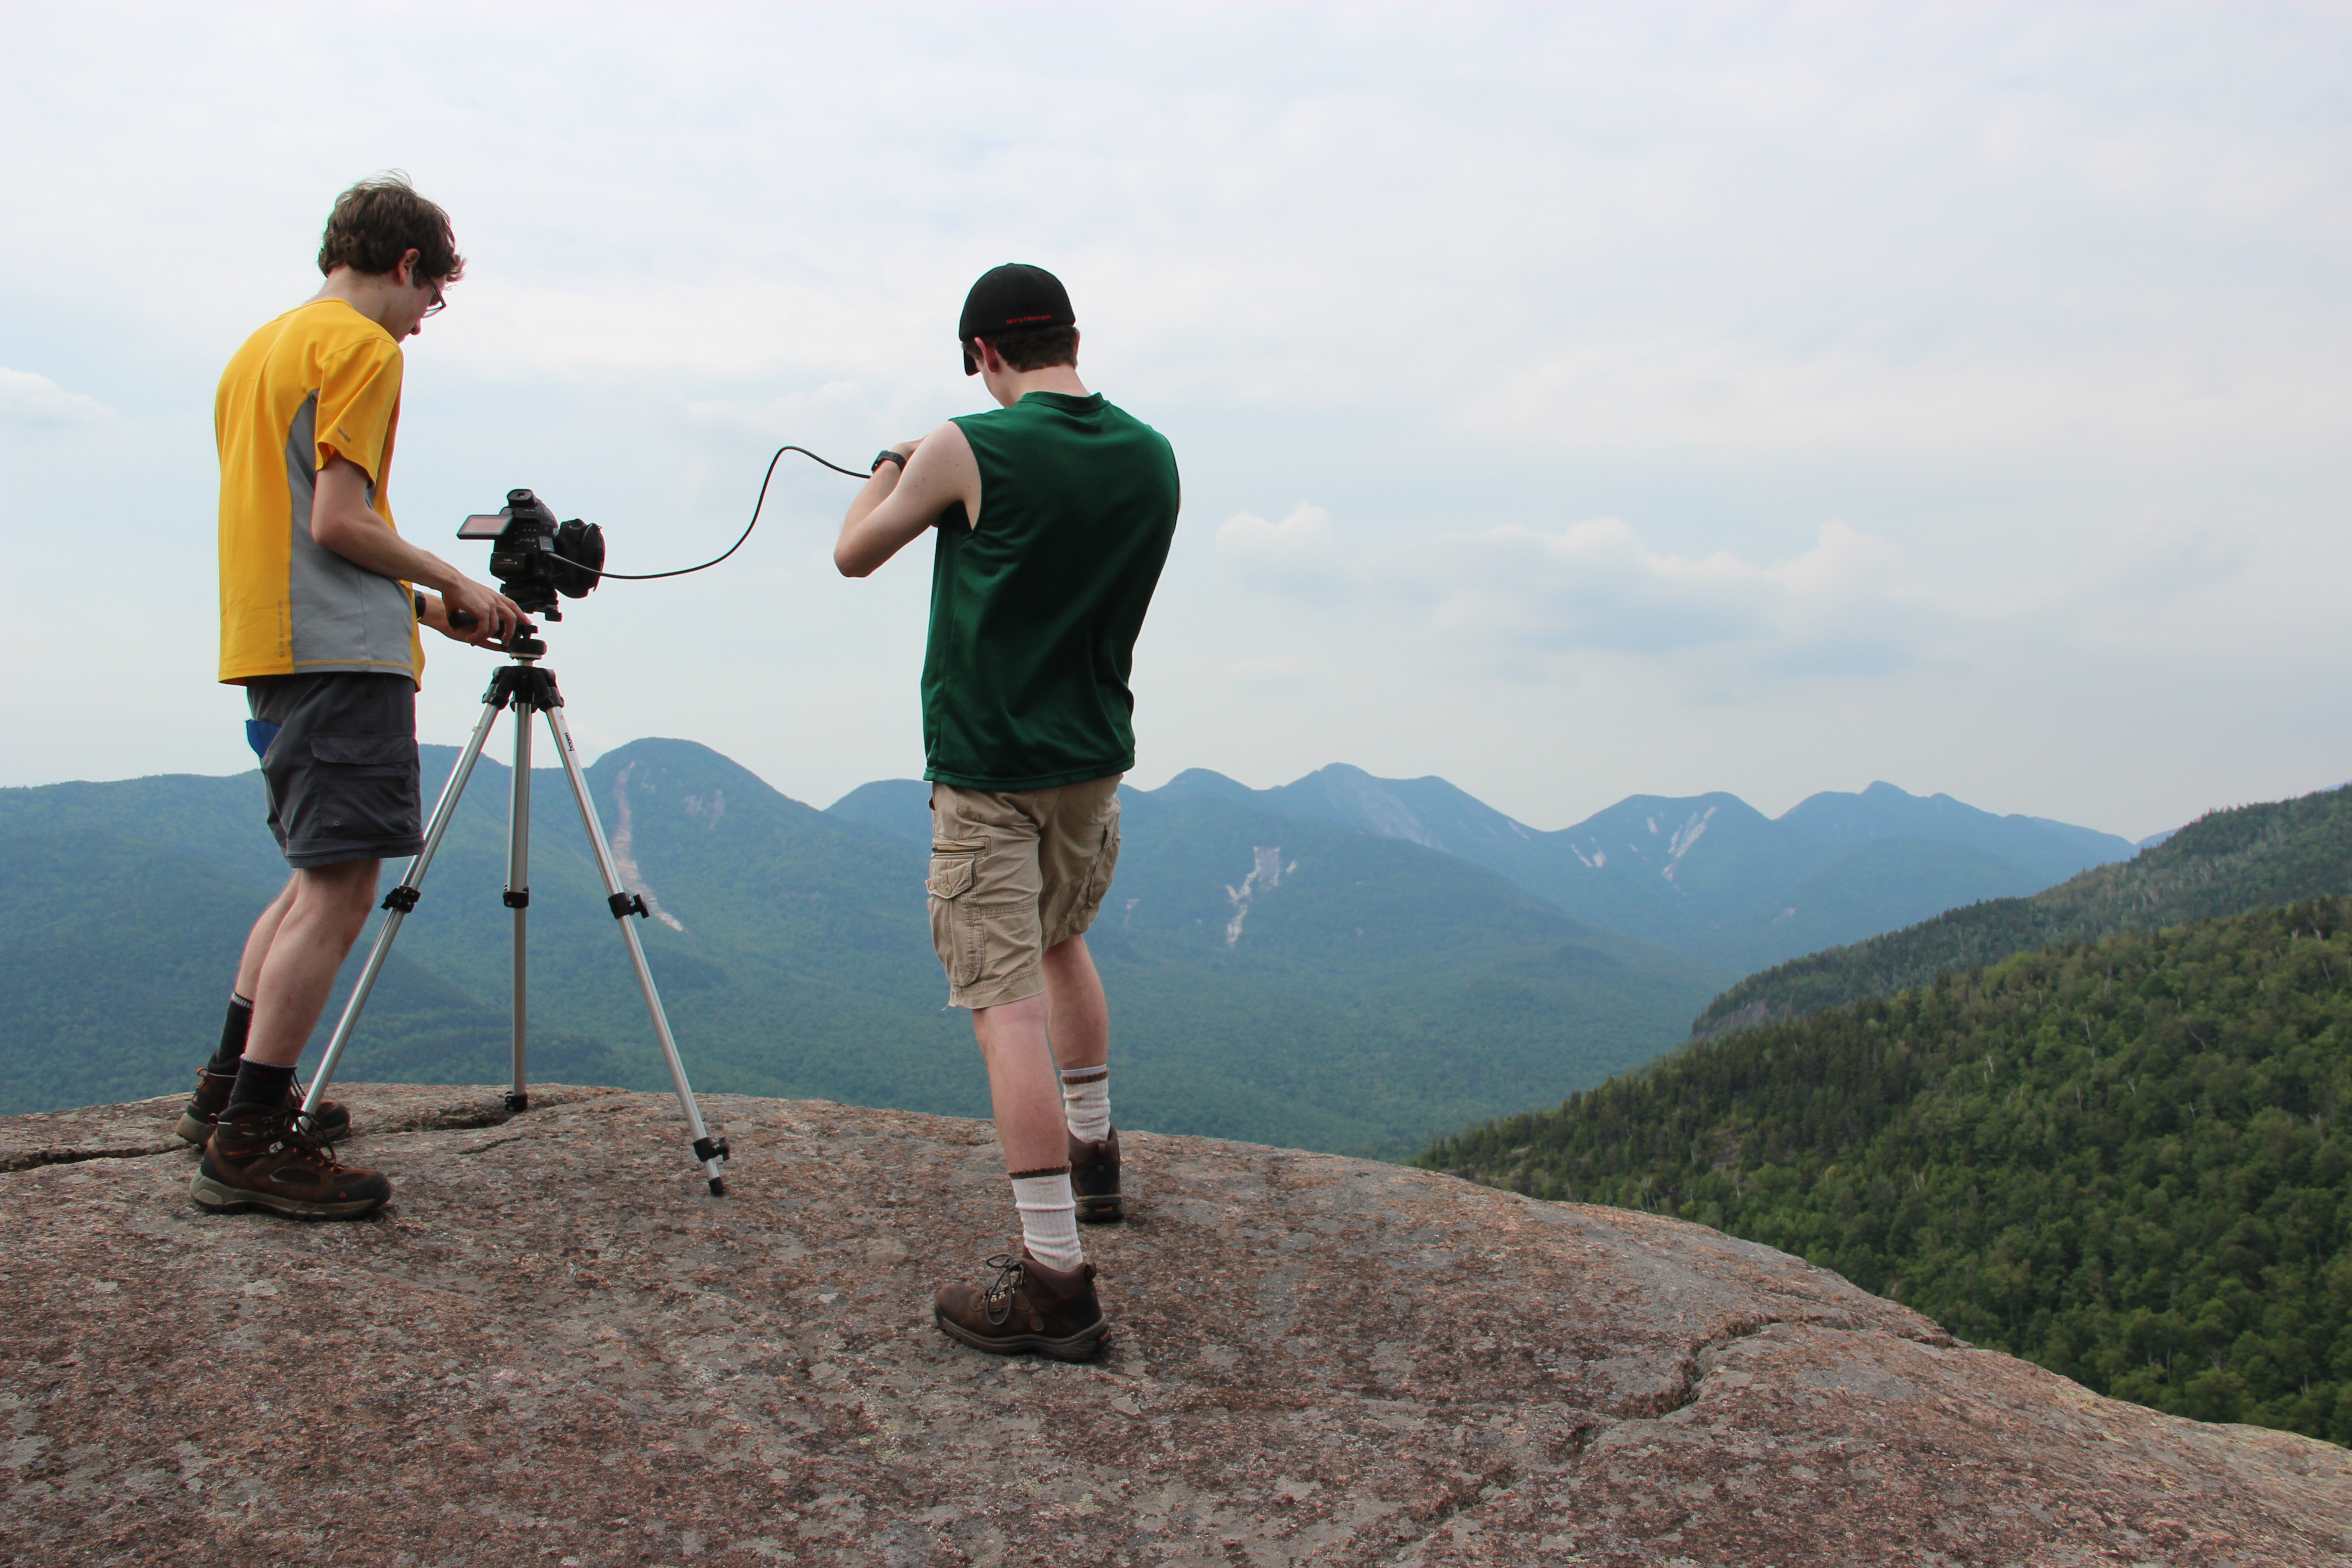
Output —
(555, 1348)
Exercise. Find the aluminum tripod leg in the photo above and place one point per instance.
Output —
(403, 898)
(517, 893)
(708, 1151)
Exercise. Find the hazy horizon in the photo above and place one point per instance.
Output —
(499, 752)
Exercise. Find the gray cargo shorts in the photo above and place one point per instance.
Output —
(339, 760)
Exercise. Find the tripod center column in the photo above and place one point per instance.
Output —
(517, 890)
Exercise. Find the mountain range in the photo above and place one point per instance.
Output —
(1345, 962)
(1709, 876)
(1279, 980)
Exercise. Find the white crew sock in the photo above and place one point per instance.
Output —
(1049, 1217)
(1086, 1102)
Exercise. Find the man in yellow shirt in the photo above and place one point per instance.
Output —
(320, 619)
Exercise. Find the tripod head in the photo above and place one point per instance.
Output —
(519, 645)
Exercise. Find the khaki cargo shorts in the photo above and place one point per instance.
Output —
(1013, 873)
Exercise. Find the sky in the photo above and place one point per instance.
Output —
(1572, 401)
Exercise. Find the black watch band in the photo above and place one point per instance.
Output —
(888, 456)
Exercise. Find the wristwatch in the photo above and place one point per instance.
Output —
(888, 456)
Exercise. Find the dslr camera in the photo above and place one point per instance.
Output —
(534, 557)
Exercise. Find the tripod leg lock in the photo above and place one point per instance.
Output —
(711, 1149)
(402, 898)
(623, 905)
(518, 898)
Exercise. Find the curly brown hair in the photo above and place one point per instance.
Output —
(379, 220)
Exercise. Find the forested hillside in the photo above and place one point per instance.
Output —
(2124, 1160)
(2225, 863)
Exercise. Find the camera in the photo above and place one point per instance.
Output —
(534, 557)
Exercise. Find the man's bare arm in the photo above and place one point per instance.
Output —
(894, 508)
(341, 521)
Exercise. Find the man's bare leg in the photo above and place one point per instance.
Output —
(1022, 1042)
(1077, 1013)
(327, 907)
(1026, 1093)
(1044, 1301)
(257, 1155)
(265, 932)
(1021, 1084)
(283, 981)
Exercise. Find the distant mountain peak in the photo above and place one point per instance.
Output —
(1202, 781)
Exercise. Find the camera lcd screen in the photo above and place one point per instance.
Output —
(483, 525)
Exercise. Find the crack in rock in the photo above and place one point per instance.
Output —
(33, 1158)
(1708, 1354)
(451, 1116)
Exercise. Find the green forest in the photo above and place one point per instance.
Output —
(2224, 863)
(2122, 1159)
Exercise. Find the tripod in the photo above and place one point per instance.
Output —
(528, 689)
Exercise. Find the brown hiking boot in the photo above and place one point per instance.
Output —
(1027, 1307)
(258, 1158)
(331, 1120)
(1094, 1179)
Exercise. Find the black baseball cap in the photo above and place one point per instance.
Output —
(1010, 299)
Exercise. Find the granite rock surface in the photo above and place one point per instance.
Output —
(555, 1348)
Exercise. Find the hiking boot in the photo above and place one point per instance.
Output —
(331, 1120)
(258, 1158)
(1094, 1179)
(1027, 1307)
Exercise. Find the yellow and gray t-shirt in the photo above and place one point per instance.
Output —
(320, 381)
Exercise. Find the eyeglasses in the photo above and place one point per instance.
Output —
(439, 304)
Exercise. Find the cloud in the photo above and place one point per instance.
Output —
(1739, 391)
(1840, 607)
(1300, 556)
(31, 402)
(1594, 585)
(1589, 585)
(2174, 554)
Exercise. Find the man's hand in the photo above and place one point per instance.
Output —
(894, 508)
(495, 616)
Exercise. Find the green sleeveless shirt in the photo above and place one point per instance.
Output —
(1036, 606)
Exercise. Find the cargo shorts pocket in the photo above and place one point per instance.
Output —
(1099, 880)
(955, 935)
(356, 789)
(367, 756)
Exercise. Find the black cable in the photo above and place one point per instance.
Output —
(649, 576)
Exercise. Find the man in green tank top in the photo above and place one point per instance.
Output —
(1052, 515)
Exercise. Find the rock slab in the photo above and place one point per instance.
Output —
(555, 1348)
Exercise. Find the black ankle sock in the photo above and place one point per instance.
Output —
(233, 1034)
(258, 1083)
